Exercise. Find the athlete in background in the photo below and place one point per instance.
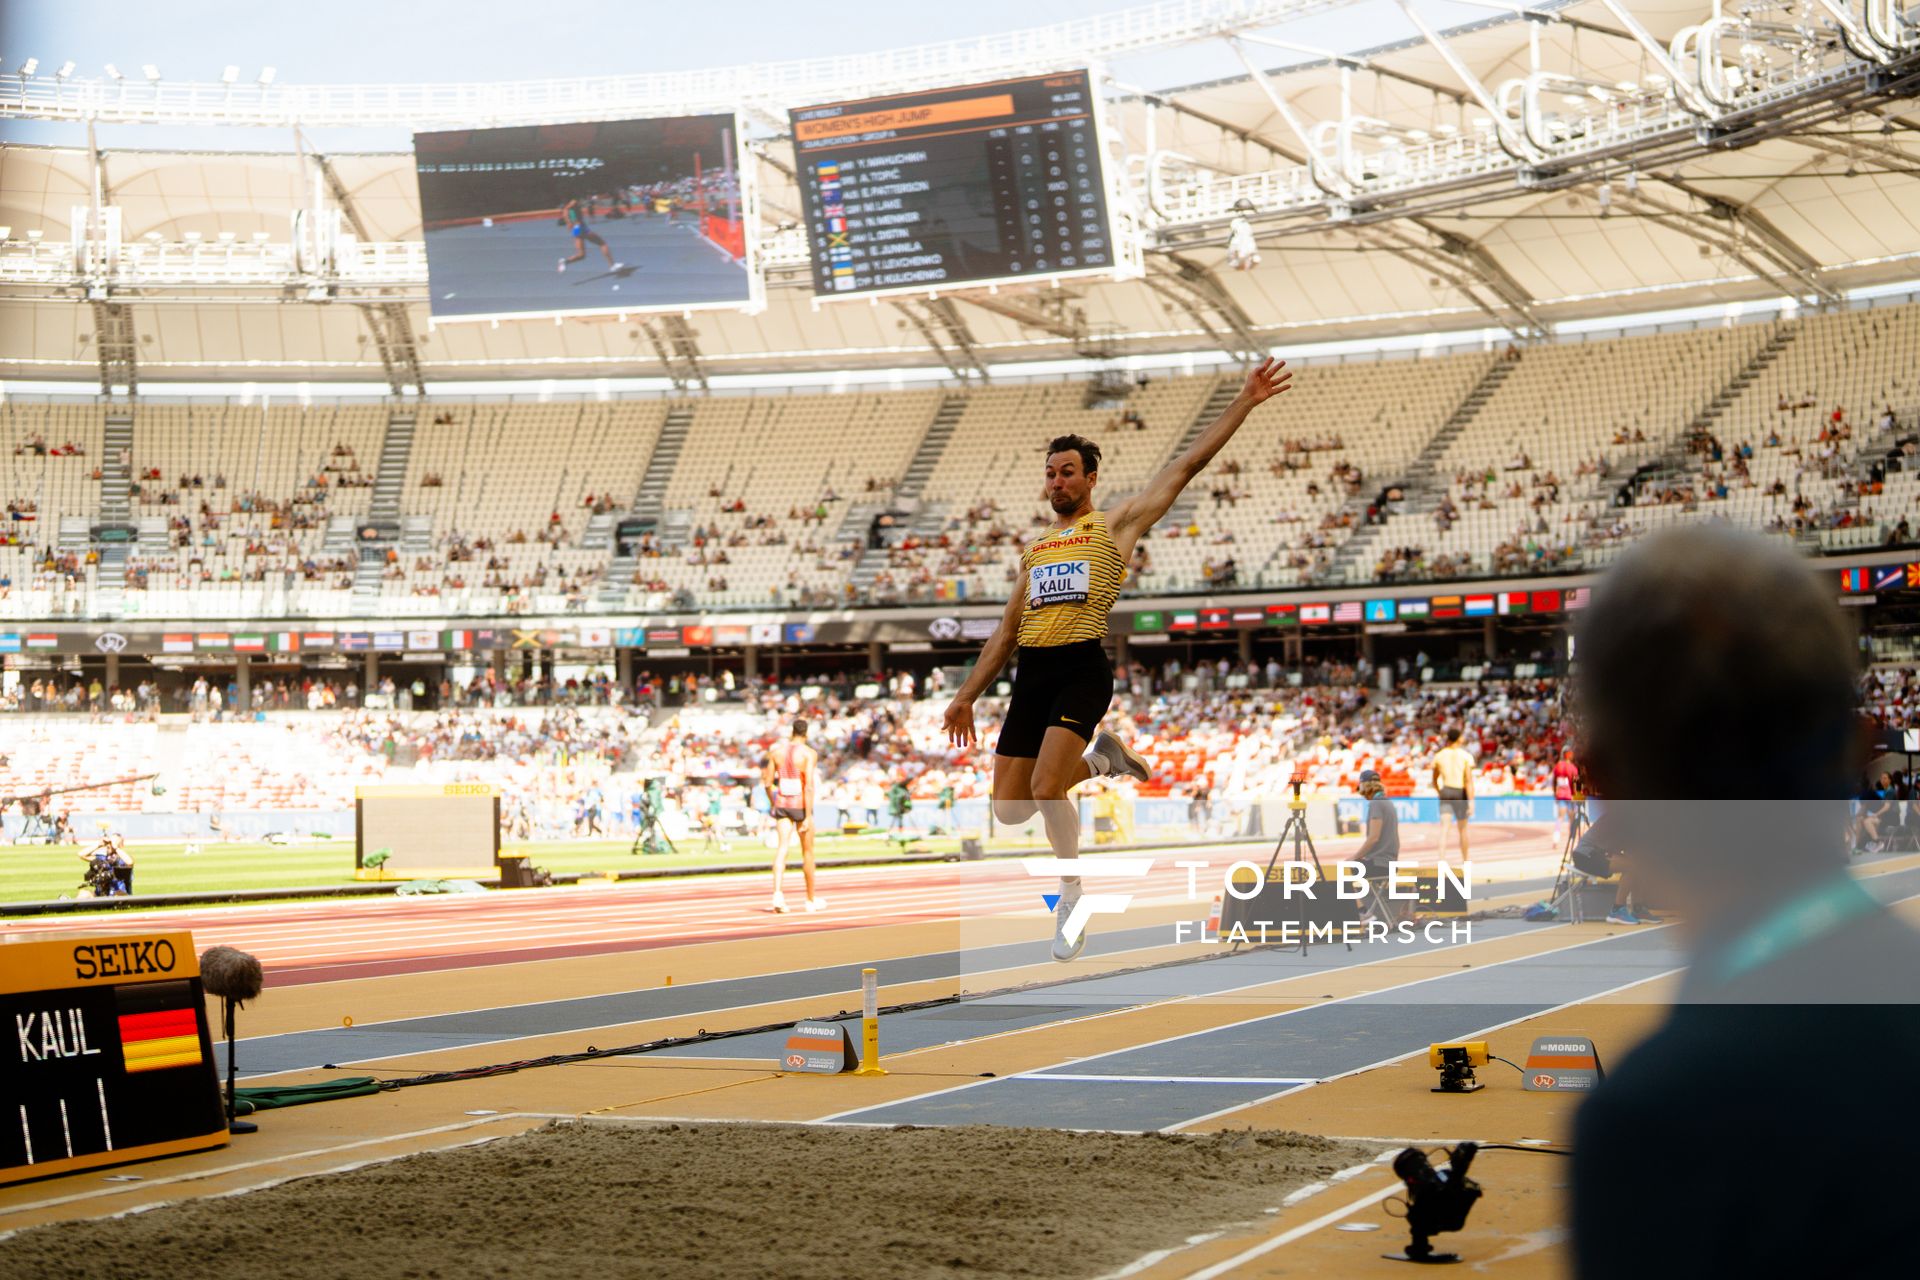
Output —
(583, 235)
(792, 777)
(1051, 740)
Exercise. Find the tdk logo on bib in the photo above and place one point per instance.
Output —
(1065, 583)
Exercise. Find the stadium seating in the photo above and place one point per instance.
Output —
(766, 501)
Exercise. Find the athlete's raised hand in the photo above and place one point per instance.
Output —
(1265, 381)
(959, 723)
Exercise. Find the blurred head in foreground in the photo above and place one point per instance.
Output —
(1715, 696)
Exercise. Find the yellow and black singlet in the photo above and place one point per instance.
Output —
(1071, 577)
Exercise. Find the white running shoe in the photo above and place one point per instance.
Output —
(618, 266)
(1120, 758)
(780, 903)
(563, 266)
(1063, 950)
(816, 904)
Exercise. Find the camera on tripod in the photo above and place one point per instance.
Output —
(1437, 1200)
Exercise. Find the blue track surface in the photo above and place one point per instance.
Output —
(509, 267)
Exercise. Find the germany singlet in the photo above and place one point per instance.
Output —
(1071, 577)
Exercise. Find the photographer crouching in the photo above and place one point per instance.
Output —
(109, 871)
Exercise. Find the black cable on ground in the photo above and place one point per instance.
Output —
(703, 1036)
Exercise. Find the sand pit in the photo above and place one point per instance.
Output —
(720, 1201)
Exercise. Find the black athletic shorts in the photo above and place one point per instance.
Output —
(791, 815)
(1070, 685)
(1454, 800)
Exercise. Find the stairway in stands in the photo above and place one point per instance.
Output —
(116, 482)
(1224, 390)
(649, 504)
(396, 449)
(1422, 482)
(928, 518)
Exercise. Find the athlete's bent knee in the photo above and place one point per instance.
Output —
(1013, 812)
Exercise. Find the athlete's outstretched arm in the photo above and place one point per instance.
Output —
(993, 657)
(1139, 513)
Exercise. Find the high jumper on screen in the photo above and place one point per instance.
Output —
(576, 215)
(1051, 740)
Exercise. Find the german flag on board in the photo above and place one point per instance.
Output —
(159, 1025)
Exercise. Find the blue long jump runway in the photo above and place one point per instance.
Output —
(1177, 1081)
(511, 266)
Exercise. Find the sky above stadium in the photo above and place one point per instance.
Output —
(379, 41)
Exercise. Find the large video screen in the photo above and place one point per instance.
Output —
(987, 182)
(613, 215)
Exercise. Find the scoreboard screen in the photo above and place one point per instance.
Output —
(107, 1056)
(983, 183)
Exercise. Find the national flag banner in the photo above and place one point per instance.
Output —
(1348, 611)
(1184, 621)
(764, 633)
(1283, 615)
(628, 637)
(1544, 602)
(523, 639)
(354, 641)
(1444, 607)
(1249, 615)
(663, 635)
(390, 640)
(1512, 602)
(316, 639)
(731, 636)
(488, 638)
(1380, 611)
(42, 640)
(1887, 577)
(10, 643)
(798, 632)
(176, 642)
(419, 641)
(286, 642)
(1577, 598)
(700, 635)
(1479, 606)
(1315, 614)
(1853, 579)
(159, 1025)
(1913, 575)
(596, 637)
(213, 640)
(456, 639)
(1413, 608)
(250, 643)
(1213, 619)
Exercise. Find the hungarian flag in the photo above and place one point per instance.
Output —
(159, 1025)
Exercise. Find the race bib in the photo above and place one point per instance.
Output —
(789, 788)
(1068, 582)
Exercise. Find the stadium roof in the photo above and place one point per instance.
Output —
(1518, 172)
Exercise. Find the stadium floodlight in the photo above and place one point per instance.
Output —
(228, 76)
(30, 66)
(266, 77)
(65, 71)
(151, 72)
(113, 72)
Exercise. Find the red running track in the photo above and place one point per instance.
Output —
(348, 938)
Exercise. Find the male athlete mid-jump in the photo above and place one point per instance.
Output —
(583, 235)
(1054, 627)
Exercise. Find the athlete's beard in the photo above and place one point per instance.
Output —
(1062, 503)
